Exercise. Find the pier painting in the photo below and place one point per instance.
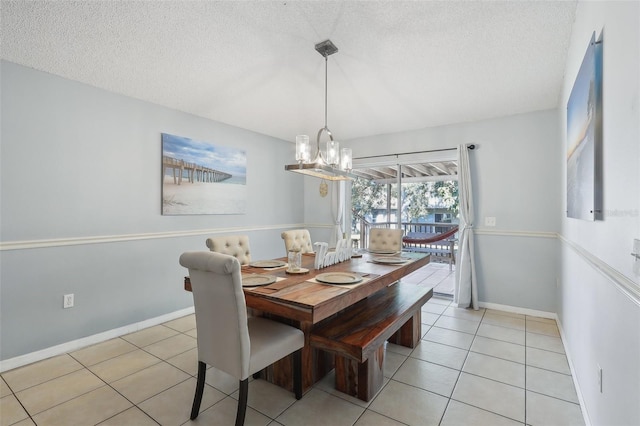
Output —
(202, 178)
(584, 138)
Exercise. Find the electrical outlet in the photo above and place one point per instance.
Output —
(490, 221)
(599, 372)
(67, 301)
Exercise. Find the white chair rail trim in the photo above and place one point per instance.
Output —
(76, 241)
(622, 282)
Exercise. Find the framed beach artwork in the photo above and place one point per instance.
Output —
(584, 138)
(200, 177)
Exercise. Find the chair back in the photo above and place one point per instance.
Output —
(385, 239)
(233, 245)
(221, 314)
(297, 239)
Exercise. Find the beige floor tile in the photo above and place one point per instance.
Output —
(552, 384)
(440, 301)
(489, 395)
(131, 417)
(449, 337)
(224, 414)
(409, 405)
(88, 409)
(500, 370)
(150, 335)
(458, 324)
(172, 346)
(102, 351)
(504, 321)
(186, 361)
(499, 349)
(222, 381)
(392, 361)
(428, 318)
(183, 324)
(56, 391)
(434, 308)
(25, 422)
(4, 388)
(320, 408)
(505, 313)
(40, 372)
(149, 382)
(193, 333)
(371, 418)
(173, 406)
(543, 328)
(548, 343)
(425, 375)
(544, 410)
(548, 360)
(121, 366)
(11, 411)
(437, 353)
(501, 333)
(467, 314)
(458, 414)
(540, 319)
(267, 398)
(402, 350)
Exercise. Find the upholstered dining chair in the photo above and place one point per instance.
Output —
(385, 239)
(227, 339)
(233, 245)
(297, 239)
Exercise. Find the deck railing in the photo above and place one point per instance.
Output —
(360, 239)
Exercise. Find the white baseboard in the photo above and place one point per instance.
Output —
(517, 310)
(74, 345)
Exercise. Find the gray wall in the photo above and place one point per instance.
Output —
(516, 179)
(599, 296)
(80, 213)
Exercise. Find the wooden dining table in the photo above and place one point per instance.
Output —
(302, 301)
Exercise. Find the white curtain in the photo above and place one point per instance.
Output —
(337, 209)
(466, 291)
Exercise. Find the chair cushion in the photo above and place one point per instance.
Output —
(271, 341)
(233, 245)
(299, 239)
(385, 239)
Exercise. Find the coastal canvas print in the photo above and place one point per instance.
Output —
(200, 177)
(584, 138)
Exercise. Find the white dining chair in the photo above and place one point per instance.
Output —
(233, 245)
(297, 239)
(385, 239)
(229, 340)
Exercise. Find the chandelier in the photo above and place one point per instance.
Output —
(332, 164)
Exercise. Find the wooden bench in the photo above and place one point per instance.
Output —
(356, 336)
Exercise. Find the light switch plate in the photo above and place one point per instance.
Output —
(490, 221)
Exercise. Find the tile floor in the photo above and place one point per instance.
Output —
(435, 275)
(471, 368)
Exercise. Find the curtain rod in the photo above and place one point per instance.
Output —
(471, 146)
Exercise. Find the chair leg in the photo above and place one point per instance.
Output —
(297, 373)
(197, 399)
(242, 402)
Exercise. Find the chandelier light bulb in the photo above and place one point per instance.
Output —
(333, 153)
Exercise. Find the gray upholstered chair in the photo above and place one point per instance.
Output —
(297, 239)
(385, 240)
(227, 339)
(233, 245)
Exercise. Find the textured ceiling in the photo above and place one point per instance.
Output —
(401, 65)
